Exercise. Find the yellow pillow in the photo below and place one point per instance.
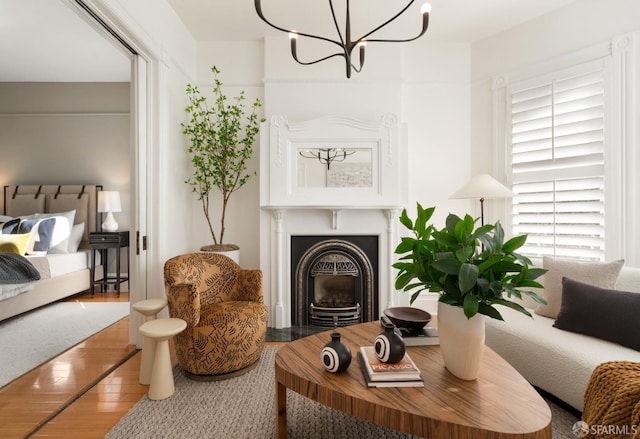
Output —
(21, 241)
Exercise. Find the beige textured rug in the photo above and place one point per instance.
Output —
(244, 407)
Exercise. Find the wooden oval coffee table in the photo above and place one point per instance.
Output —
(499, 404)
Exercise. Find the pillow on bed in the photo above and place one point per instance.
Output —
(21, 241)
(70, 216)
(10, 226)
(72, 243)
(46, 232)
(59, 224)
(64, 224)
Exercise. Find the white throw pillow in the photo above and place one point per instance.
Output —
(70, 216)
(599, 274)
(72, 243)
(63, 226)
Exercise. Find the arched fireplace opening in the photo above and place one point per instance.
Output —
(334, 280)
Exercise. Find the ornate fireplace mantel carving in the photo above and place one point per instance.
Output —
(282, 171)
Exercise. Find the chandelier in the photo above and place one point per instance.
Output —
(326, 156)
(345, 42)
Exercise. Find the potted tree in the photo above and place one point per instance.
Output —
(221, 142)
(472, 268)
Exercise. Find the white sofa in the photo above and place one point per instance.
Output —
(557, 361)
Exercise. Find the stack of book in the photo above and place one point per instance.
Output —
(378, 374)
(427, 336)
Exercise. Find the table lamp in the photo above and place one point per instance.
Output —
(483, 186)
(109, 202)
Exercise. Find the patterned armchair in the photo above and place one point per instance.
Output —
(225, 314)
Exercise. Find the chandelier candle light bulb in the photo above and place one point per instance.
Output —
(362, 45)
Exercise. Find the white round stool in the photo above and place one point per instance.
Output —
(149, 309)
(160, 330)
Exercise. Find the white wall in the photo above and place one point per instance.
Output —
(169, 51)
(425, 85)
(436, 103)
(538, 45)
(67, 133)
(241, 67)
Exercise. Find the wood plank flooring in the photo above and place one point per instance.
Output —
(81, 393)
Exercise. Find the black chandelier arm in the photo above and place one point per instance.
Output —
(388, 21)
(335, 22)
(358, 69)
(312, 156)
(291, 31)
(345, 55)
(425, 25)
(308, 63)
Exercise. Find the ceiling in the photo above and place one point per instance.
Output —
(47, 40)
(450, 21)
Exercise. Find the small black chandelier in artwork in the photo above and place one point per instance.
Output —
(345, 42)
(326, 156)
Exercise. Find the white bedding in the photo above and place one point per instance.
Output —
(58, 264)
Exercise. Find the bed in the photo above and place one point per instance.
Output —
(64, 268)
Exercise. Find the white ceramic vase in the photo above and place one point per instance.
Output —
(461, 341)
(233, 254)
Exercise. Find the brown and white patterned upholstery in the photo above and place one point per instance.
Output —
(224, 310)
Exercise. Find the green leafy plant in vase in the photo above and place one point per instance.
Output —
(221, 142)
(472, 268)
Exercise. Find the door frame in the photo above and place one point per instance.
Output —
(145, 66)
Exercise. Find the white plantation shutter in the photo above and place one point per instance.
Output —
(557, 164)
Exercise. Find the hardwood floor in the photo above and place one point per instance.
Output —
(81, 393)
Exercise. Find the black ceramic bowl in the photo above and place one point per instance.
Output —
(408, 317)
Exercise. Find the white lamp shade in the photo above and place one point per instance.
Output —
(109, 201)
(483, 186)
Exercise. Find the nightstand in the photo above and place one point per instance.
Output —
(102, 242)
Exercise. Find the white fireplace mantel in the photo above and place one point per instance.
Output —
(336, 211)
(291, 209)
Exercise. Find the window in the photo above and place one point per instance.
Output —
(558, 163)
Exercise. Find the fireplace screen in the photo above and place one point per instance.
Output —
(334, 281)
(334, 291)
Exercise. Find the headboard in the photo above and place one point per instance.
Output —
(27, 199)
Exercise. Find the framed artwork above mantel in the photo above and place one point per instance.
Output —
(333, 160)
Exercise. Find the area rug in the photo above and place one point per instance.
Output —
(28, 340)
(244, 407)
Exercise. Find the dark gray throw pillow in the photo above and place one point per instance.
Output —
(607, 314)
